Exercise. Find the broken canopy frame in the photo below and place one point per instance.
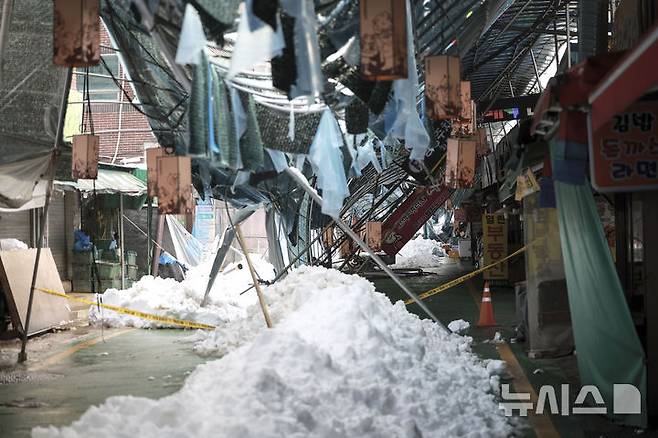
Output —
(301, 180)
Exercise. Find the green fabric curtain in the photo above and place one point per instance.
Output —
(608, 348)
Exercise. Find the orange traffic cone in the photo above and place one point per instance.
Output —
(486, 308)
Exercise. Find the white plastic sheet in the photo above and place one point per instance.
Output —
(327, 161)
(254, 45)
(192, 38)
(408, 125)
(188, 249)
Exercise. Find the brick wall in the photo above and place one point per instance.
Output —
(129, 129)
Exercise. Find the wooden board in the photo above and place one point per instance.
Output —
(16, 277)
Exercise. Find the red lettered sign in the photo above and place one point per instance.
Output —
(624, 152)
(412, 214)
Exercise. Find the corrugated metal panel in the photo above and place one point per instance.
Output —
(57, 232)
(15, 226)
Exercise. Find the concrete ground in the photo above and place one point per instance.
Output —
(70, 371)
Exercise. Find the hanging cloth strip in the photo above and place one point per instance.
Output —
(192, 38)
(254, 45)
(408, 125)
(327, 160)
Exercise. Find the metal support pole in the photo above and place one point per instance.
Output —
(149, 225)
(511, 88)
(557, 47)
(122, 247)
(568, 36)
(22, 356)
(158, 242)
(534, 64)
(7, 7)
(297, 176)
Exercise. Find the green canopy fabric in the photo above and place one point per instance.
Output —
(608, 348)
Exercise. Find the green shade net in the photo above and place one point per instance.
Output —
(608, 349)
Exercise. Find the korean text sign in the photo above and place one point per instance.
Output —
(495, 245)
(624, 152)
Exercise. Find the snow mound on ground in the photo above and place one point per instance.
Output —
(182, 300)
(458, 326)
(419, 253)
(345, 362)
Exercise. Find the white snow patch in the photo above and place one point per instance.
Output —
(182, 300)
(419, 253)
(340, 361)
(12, 245)
(458, 326)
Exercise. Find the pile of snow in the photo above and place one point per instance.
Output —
(341, 361)
(182, 300)
(419, 253)
(459, 326)
(12, 245)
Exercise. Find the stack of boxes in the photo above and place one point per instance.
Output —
(109, 269)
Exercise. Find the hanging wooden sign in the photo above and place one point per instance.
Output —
(383, 39)
(460, 163)
(175, 185)
(76, 33)
(482, 148)
(443, 87)
(374, 235)
(152, 155)
(84, 157)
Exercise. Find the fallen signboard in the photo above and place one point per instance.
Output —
(412, 214)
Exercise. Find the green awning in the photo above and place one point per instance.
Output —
(109, 182)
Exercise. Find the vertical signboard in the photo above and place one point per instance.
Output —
(443, 87)
(412, 214)
(624, 151)
(494, 235)
(204, 223)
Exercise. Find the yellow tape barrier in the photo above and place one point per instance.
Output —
(143, 315)
(468, 276)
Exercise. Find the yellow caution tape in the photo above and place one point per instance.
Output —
(143, 315)
(468, 276)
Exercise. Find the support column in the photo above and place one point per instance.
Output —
(650, 263)
(122, 243)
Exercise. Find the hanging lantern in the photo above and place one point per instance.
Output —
(76, 33)
(460, 163)
(443, 87)
(481, 138)
(383, 39)
(152, 155)
(374, 235)
(84, 157)
(174, 188)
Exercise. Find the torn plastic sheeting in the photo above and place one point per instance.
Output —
(279, 160)
(254, 46)
(327, 160)
(366, 155)
(188, 249)
(408, 125)
(192, 38)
